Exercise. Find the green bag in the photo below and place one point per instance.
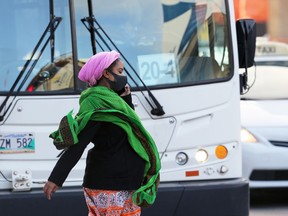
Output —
(64, 136)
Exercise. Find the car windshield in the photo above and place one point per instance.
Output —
(268, 79)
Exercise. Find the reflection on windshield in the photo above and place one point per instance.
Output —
(55, 76)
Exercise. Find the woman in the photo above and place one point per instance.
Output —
(122, 169)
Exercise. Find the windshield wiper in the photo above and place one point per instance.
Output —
(52, 26)
(89, 22)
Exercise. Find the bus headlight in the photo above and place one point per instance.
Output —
(201, 155)
(181, 158)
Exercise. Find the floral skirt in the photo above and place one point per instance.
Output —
(110, 203)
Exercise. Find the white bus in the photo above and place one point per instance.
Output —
(182, 62)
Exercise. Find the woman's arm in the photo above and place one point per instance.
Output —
(69, 159)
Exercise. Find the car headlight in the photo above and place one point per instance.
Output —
(247, 136)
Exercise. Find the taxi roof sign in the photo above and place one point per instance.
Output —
(270, 48)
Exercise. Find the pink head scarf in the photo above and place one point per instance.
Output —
(95, 66)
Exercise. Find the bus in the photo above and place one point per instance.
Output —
(181, 58)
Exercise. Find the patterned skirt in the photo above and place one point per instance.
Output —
(110, 203)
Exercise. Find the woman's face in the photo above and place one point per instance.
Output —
(116, 78)
(118, 68)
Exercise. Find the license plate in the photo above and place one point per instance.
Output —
(17, 143)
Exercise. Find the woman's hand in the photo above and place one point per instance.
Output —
(127, 90)
(50, 188)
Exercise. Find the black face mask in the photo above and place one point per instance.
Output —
(119, 82)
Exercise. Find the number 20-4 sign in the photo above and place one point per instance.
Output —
(158, 69)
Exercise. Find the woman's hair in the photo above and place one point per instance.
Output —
(110, 68)
(113, 64)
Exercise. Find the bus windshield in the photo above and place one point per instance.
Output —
(167, 43)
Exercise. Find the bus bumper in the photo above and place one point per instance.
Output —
(202, 198)
(223, 198)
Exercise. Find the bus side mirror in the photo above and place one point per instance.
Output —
(246, 40)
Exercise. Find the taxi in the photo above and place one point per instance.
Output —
(264, 117)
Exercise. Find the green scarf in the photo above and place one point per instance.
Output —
(99, 103)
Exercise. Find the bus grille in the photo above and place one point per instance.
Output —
(269, 175)
(279, 143)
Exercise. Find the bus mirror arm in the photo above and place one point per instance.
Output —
(243, 82)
